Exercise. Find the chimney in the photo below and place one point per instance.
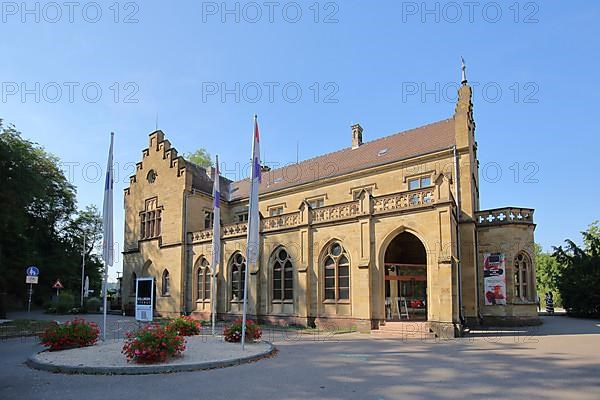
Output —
(357, 131)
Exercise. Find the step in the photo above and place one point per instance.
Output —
(405, 329)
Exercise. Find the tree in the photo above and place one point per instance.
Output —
(200, 157)
(579, 277)
(547, 274)
(39, 221)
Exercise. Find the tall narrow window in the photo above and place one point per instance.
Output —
(336, 272)
(166, 283)
(209, 218)
(204, 280)
(133, 283)
(522, 277)
(238, 276)
(283, 276)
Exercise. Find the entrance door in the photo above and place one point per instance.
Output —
(406, 279)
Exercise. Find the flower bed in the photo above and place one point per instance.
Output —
(233, 332)
(71, 334)
(184, 326)
(153, 344)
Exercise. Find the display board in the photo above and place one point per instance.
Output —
(144, 299)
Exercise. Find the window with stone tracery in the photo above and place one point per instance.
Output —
(238, 276)
(522, 277)
(150, 219)
(283, 276)
(203, 281)
(336, 273)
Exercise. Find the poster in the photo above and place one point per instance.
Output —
(494, 278)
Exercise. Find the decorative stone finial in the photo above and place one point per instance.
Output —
(464, 71)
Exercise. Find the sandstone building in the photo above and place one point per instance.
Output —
(377, 231)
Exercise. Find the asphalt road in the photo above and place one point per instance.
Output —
(559, 360)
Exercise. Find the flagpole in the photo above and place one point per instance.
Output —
(252, 223)
(82, 269)
(216, 251)
(107, 226)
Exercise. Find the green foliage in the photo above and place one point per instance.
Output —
(153, 344)
(71, 334)
(93, 304)
(66, 301)
(200, 157)
(579, 277)
(39, 221)
(547, 274)
(185, 326)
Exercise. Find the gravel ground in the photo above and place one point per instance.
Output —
(199, 349)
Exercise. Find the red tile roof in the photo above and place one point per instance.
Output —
(400, 146)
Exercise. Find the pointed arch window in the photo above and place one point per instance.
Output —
(523, 277)
(203, 281)
(238, 276)
(166, 283)
(283, 276)
(336, 273)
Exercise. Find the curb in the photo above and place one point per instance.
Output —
(147, 369)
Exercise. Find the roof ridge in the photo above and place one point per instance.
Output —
(349, 148)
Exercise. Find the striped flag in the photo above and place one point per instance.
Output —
(216, 247)
(107, 210)
(107, 226)
(253, 221)
(216, 244)
(253, 214)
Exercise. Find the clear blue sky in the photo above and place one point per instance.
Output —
(372, 59)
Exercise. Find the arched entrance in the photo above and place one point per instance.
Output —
(405, 264)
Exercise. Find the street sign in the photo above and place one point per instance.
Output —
(32, 271)
(31, 279)
(57, 285)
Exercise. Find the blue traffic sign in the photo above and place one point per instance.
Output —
(33, 271)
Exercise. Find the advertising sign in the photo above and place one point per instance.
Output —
(494, 278)
(144, 298)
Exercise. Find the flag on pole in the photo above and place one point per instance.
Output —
(107, 227)
(216, 244)
(252, 244)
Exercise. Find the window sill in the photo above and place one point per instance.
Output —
(336, 301)
(283, 301)
(203, 301)
(166, 295)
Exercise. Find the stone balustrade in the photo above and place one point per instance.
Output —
(335, 212)
(282, 221)
(501, 216)
(404, 200)
(411, 199)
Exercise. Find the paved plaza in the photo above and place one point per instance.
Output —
(558, 360)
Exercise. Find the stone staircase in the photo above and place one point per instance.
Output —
(404, 330)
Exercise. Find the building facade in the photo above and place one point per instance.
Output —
(389, 229)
